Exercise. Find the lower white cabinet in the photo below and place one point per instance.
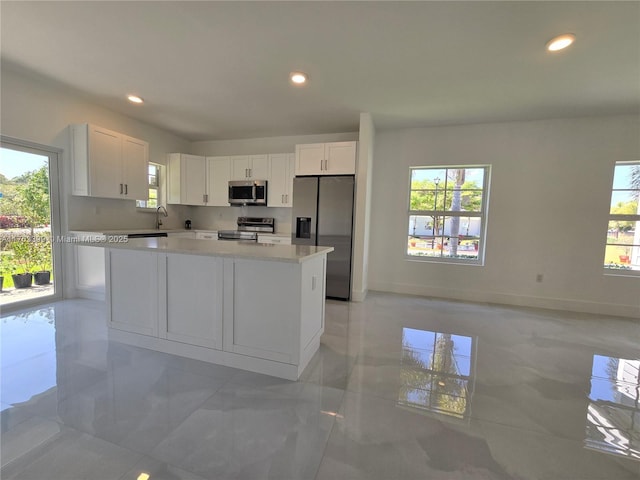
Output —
(219, 309)
(194, 300)
(132, 291)
(275, 239)
(206, 235)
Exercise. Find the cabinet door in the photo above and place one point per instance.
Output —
(340, 158)
(135, 162)
(258, 167)
(105, 168)
(194, 300)
(256, 320)
(310, 159)
(280, 180)
(240, 167)
(132, 291)
(192, 180)
(218, 176)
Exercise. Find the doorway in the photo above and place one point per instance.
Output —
(30, 253)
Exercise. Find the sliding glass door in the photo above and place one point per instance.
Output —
(29, 225)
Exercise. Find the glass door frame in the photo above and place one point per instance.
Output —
(55, 157)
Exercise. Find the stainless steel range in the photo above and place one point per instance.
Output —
(248, 229)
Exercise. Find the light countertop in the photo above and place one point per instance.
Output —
(247, 250)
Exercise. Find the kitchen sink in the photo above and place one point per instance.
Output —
(146, 235)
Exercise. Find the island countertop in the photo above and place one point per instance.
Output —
(235, 249)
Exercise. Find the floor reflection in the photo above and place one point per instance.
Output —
(613, 416)
(437, 372)
(28, 343)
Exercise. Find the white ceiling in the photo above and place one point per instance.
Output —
(219, 70)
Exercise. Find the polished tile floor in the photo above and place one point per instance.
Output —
(402, 388)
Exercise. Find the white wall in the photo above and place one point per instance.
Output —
(40, 111)
(548, 207)
(362, 220)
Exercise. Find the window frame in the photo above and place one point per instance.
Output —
(158, 187)
(481, 214)
(611, 217)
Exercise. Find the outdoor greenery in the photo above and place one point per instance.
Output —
(24, 205)
(451, 194)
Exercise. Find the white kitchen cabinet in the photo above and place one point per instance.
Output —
(218, 176)
(193, 300)
(275, 239)
(257, 287)
(207, 235)
(196, 180)
(186, 179)
(132, 291)
(249, 167)
(281, 173)
(337, 158)
(108, 164)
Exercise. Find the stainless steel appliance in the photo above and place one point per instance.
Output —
(248, 192)
(323, 215)
(248, 229)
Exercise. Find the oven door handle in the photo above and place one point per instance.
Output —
(254, 191)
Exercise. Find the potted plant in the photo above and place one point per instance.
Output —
(23, 253)
(42, 260)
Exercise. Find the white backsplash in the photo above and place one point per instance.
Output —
(224, 218)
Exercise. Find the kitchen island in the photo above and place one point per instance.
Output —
(252, 306)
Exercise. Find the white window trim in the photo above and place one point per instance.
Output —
(621, 218)
(160, 188)
(482, 214)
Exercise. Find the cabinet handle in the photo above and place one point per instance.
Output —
(246, 173)
(121, 189)
(207, 197)
(286, 198)
(126, 189)
(250, 172)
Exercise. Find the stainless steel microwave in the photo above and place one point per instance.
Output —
(248, 192)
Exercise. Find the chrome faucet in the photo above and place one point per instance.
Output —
(158, 221)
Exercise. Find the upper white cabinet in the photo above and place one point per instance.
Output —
(218, 176)
(337, 158)
(186, 179)
(196, 180)
(108, 164)
(281, 173)
(249, 167)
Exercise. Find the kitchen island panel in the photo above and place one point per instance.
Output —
(194, 300)
(132, 293)
(263, 314)
(268, 312)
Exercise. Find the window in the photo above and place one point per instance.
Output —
(622, 252)
(153, 199)
(447, 213)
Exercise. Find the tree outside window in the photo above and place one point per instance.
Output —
(447, 210)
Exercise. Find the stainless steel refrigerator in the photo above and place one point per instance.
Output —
(323, 215)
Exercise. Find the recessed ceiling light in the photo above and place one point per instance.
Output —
(135, 99)
(560, 42)
(298, 78)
